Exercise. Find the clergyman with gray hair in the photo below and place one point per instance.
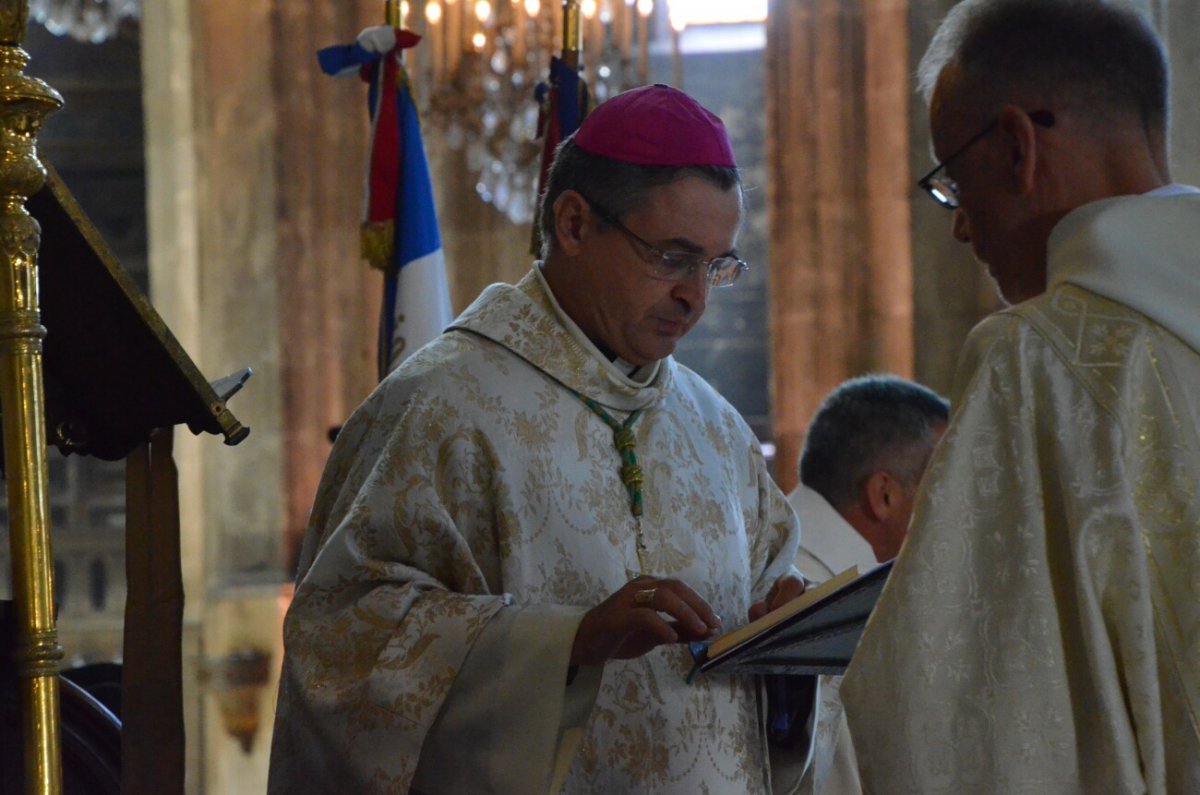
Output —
(864, 453)
(1040, 631)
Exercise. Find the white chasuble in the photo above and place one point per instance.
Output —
(1040, 632)
(471, 511)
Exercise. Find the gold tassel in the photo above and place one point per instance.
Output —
(378, 243)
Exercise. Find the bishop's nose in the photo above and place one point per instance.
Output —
(692, 290)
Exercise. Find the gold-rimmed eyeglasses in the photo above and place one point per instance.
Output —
(675, 266)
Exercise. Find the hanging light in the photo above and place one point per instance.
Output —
(93, 21)
(476, 86)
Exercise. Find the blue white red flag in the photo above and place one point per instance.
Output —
(400, 229)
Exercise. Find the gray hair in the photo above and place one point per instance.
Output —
(866, 424)
(619, 188)
(1099, 56)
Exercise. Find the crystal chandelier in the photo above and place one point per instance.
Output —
(479, 62)
(92, 21)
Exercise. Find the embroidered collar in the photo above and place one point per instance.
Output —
(525, 319)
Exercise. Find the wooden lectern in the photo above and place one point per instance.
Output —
(87, 365)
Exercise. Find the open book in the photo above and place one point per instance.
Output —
(815, 633)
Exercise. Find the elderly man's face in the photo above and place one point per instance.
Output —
(629, 312)
(992, 215)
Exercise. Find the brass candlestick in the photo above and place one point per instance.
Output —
(24, 103)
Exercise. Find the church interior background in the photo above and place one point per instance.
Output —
(224, 171)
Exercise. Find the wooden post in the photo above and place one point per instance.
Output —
(152, 736)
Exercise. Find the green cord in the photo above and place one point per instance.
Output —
(631, 473)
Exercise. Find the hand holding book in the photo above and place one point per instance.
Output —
(642, 615)
(813, 633)
(783, 591)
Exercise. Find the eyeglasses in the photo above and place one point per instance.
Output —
(675, 266)
(945, 190)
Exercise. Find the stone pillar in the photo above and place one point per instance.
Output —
(1178, 21)
(329, 297)
(837, 135)
(254, 170)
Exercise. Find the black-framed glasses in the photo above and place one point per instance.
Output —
(675, 266)
(945, 190)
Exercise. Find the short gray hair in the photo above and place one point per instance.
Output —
(866, 424)
(1101, 56)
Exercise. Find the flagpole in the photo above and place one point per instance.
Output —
(572, 33)
(553, 127)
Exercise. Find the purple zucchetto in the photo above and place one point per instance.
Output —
(656, 126)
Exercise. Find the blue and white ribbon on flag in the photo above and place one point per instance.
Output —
(400, 229)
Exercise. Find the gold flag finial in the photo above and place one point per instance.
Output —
(572, 32)
(14, 14)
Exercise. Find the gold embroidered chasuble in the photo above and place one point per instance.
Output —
(1041, 629)
(471, 511)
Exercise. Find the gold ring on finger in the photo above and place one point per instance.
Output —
(644, 597)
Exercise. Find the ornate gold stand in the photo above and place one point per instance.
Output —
(24, 103)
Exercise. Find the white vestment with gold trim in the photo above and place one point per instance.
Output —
(1040, 632)
(470, 513)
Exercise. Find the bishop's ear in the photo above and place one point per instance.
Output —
(571, 216)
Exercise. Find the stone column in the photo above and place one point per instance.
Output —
(254, 170)
(329, 297)
(837, 135)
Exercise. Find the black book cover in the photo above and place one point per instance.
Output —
(818, 639)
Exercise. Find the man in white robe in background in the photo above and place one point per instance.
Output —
(1041, 629)
(521, 526)
(864, 453)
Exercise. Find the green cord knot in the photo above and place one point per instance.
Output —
(632, 476)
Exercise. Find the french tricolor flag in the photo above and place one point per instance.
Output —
(400, 228)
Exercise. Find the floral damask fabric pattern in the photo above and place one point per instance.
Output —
(1041, 629)
(472, 480)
